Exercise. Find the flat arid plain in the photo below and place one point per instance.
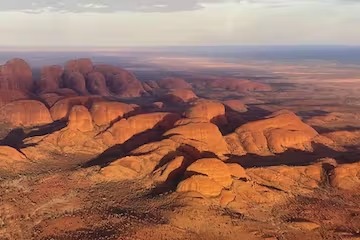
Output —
(121, 145)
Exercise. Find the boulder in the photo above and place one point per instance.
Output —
(80, 119)
(25, 113)
(105, 113)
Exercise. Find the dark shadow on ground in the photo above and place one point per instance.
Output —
(15, 138)
(293, 157)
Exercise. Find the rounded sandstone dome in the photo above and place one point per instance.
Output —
(25, 113)
(80, 119)
(209, 110)
(104, 113)
(16, 74)
(82, 65)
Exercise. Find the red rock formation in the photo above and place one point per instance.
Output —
(16, 74)
(204, 137)
(12, 160)
(104, 113)
(235, 105)
(25, 113)
(180, 96)
(275, 134)
(80, 119)
(50, 79)
(83, 66)
(210, 111)
(201, 184)
(150, 86)
(126, 128)
(75, 81)
(125, 84)
(302, 179)
(346, 177)
(120, 81)
(96, 84)
(8, 96)
(61, 109)
(173, 83)
(66, 92)
(213, 168)
(50, 98)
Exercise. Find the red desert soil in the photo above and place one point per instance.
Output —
(91, 152)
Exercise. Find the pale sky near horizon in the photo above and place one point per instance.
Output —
(116, 23)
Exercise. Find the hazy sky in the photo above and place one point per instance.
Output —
(111, 23)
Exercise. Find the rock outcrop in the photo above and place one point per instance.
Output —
(105, 113)
(8, 96)
(120, 82)
(346, 177)
(61, 109)
(125, 129)
(12, 161)
(204, 137)
(235, 105)
(275, 134)
(25, 113)
(213, 168)
(82, 65)
(75, 81)
(200, 184)
(210, 111)
(80, 119)
(50, 78)
(180, 96)
(16, 74)
(96, 84)
(173, 83)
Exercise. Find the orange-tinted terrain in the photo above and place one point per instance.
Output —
(179, 148)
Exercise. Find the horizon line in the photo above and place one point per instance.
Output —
(144, 47)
